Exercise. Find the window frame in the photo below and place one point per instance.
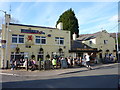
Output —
(18, 37)
(105, 41)
(40, 38)
(58, 40)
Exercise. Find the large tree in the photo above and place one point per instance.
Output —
(69, 21)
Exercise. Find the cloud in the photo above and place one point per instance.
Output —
(24, 10)
(92, 12)
(96, 16)
(109, 26)
(114, 18)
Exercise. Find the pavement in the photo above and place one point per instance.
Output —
(102, 76)
(23, 72)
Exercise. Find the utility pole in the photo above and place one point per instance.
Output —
(117, 42)
(3, 45)
(4, 59)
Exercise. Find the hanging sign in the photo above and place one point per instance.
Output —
(3, 46)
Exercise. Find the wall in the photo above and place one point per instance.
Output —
(98, 43)
(49, 47)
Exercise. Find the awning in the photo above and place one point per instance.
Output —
(85, 50)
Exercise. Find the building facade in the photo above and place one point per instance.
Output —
(20, 41)
(102, 40)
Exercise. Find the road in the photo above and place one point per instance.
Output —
(99, 77)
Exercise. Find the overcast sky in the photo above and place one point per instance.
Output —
(92, 16)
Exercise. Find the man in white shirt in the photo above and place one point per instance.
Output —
(87, 59)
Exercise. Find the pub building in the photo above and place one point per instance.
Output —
(20, 41)
(33, 42)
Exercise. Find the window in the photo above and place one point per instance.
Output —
(40, 40)
(90, 42)
(17, 38)
(59, 40)
(14, 38)
(21, 38)
(37, 39)
(105, 41)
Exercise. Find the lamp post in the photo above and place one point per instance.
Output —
(5, 37)
(117, 41)
(3, 58)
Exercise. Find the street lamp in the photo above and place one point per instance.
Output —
(117, 41)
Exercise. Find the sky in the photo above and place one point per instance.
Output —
(92, 16)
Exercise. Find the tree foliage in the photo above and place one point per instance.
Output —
(69, 21)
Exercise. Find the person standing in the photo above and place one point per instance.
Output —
(87, 59)
(54, 62)
(12, 62)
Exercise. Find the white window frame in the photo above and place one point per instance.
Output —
(105, 41)
(58, 39)
(40, 38)
(18, 37)
(90, 42)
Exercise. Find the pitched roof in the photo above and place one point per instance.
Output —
(31, 26)
(78, 44)
(84, 37)
(114, 35)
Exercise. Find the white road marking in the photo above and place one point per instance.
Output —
(8, 74)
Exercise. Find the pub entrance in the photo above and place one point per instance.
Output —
(17, 56)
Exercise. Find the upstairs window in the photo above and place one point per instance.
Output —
(40, 40)
(59, 40)
(14, 38)
(21, 38)
(17, 38)
(90, 42)
(105, 41)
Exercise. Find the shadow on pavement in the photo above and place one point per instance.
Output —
(97, 81)
(95, 68)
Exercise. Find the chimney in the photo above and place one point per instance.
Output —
(60, 26)
(74, 36)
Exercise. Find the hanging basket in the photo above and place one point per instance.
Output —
(100, 50)
(41, 49)
(47, 56)
(32, 56)
(107, 50)
(17, 49)
(60, 49)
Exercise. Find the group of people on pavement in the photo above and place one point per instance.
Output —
(109, 58)
(59, 62)
(23, 63)
(69, 62)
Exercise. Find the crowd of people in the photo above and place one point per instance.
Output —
(55, 63)
(15, 64)
(109, 58)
